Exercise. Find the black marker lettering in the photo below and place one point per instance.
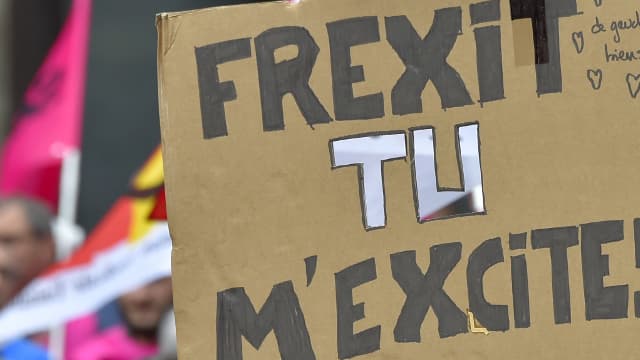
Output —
(520, 291)
(601, 302)
(426, 60)
(636, 239)
(492, 317)
(485, 11)
(343, 35)
(281, 313)
(519, 282)
(489, 63)
(290, 76)
(367, 341)
(558, 240)
(544, 15)
(213, 93)
(426, 290)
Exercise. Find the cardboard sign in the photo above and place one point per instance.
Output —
(305, 183)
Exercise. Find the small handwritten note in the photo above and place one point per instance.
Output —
(610, 36)
(614, 49)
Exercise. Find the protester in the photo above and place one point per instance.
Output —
(26, 244)
(26, 249)
(167, 339)
(143, 311)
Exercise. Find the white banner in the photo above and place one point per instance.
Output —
(77, 291)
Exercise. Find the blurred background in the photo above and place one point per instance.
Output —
(85, 253)
(121, 126)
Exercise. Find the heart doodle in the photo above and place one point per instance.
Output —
(598, 3)
(633, 81)
(595, 78)
(578, 41)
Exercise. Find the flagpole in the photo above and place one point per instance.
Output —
(69, 185)
(68, 235)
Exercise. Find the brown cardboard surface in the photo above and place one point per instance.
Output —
(247, 209)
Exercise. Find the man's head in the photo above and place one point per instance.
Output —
(26, 244)
(143, 309)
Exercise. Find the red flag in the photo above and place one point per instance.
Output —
(49, 124)
(159, 211)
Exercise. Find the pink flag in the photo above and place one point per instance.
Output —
(49, 124)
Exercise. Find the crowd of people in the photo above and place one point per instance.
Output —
(138, 325)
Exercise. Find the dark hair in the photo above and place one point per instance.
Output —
(38, 214)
